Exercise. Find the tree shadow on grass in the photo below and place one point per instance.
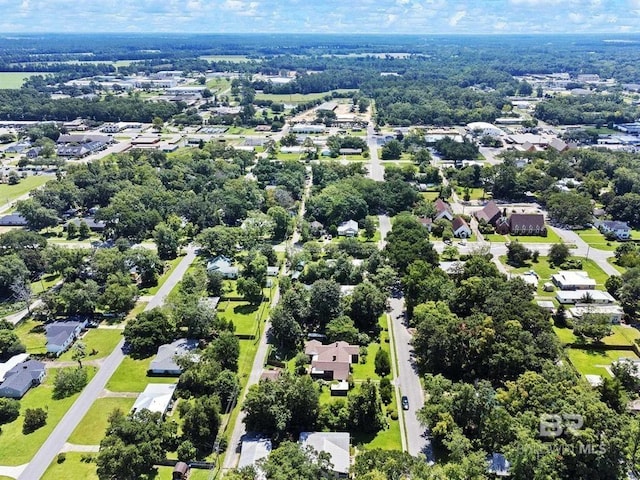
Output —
(245, 309)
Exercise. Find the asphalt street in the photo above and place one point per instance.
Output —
(56, 440)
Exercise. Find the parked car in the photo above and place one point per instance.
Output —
(405, 402)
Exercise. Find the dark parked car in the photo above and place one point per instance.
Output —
(405, 403)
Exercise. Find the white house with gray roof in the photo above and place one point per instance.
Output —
(61, 335)
(19, 379)
(165, 361)
(224, 266)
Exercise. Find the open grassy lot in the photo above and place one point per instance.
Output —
(15, 79)
(100, 342)
(8, 193)
(17, 448)
(45, 283)
(131, 376)
(552, 237)
(621, 335)
(430, 195)
(544, 270)
(243, 314)
(72, 467)
(31, 333)
(594, 362)
(91, 429)
(297, 97)
(474, 193)
(595, 239)
(367, 370)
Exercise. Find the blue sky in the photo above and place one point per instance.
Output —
(322, 16)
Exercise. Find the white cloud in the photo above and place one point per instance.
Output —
(455, 19)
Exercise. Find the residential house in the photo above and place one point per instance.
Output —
(584, 296)
(93, 224)
(460, 228)
(19, 379)
(156, 398)
(614, 312)
(621, 230)
(180, 471)
(61, 335)
(426, 222)
(331, 362)
(499, 466)
(33, 152)
(13, 220)
(443, 210)
(224, 266)
(254, 448)
(12, 362)
(165, 361)
(335, 444)
(316, 228)
(490, 213)
(348, 229)
(350, 151)
(573, 280)
(273, 271)
(527, 224)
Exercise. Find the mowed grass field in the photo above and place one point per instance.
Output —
(297, 97)
(15, 79)
(8, 193)
(93, 426)
(17, 448)
(596, 362)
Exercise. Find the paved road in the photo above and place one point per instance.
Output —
(57, 439)
(233, 450)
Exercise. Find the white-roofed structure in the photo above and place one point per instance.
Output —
(12, 362)
(155, 398)
(254, 448)
(334, 443)
(581, 296)
(485, 128)
(573, 280)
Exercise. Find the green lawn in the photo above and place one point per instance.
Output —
(296, 97)
(387, 439)
(72, 467)
(16, 448)
(596, 240)
(170, 266)
(45, 283)
(31, 333)
(16, 79)
(593, 362)
(544, 270)
(8, 193)
(93, 426)
(612, 262)
(102, 341)
(622, 335)
(243, 314)
(475, 193)
(552, 237)
(430, 195)
(131, 376)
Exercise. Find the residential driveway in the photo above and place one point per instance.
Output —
(56, 440)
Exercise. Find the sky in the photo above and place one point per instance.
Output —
(321, 16)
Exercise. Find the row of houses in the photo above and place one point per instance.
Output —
(459, 225)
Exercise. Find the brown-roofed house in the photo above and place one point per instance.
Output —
(443, 210)
(527, 224)
(270, 375)
(460, 228)
(180, 471)
(490, 213)
(332, 361)
(426, 222)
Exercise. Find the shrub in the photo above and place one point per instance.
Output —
(9, 410)
(394, 415)
(34, 418)
(68, 382)
(61, 457)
